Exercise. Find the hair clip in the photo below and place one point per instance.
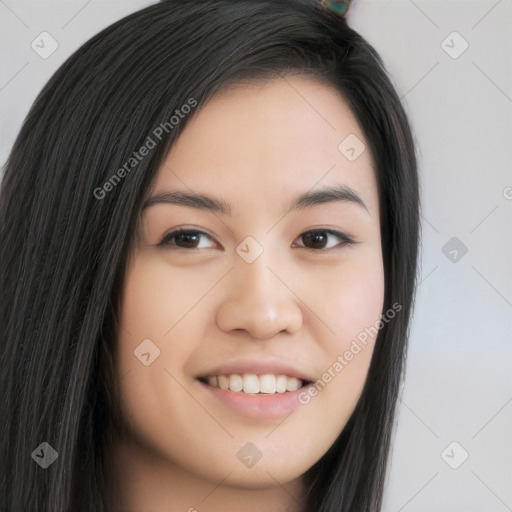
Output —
(340, 7)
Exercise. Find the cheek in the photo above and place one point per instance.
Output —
(156, 299)
(357, 297)
(348, 301)
(153, 319)
(161, 305)
(332, 398)
(351, 305)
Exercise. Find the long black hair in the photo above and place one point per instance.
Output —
(69, 217)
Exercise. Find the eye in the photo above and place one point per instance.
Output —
(185, 239)
(319, 239)
(316, 239)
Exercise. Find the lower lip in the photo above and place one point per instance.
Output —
(261, 405)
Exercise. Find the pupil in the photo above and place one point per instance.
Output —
(317, 239)
(188, 238)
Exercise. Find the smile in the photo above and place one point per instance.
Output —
(250, 383)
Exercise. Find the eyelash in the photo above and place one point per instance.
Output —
(345, 239)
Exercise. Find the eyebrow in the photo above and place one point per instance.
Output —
(307, 199)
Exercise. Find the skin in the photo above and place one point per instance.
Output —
(256, 146)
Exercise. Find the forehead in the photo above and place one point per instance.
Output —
(271, 140)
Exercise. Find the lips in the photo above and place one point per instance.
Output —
(257, 406)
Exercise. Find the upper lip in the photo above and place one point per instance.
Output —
(258, 367)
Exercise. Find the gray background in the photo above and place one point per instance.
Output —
(458, 386)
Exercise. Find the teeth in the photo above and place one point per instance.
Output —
(281, 383)
(292, 384)
(223, 382)
(268, 384)
(251, 383)
(236, 383)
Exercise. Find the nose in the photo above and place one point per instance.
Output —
(256, 299)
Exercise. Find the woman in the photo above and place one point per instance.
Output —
(209, 232)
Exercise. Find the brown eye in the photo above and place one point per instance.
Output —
(320, 239)
(184, 239)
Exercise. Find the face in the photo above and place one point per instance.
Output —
(260, 282)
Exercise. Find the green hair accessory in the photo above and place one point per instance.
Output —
(340, 7)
